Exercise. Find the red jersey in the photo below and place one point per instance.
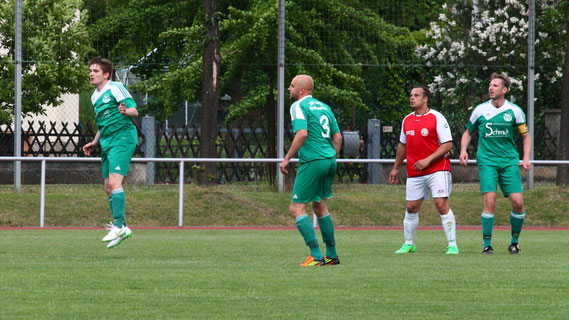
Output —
(423, 134)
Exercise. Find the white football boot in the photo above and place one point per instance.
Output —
(113, 232)
(124, 233)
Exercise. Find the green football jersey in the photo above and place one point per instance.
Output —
(496, 128)
(114, 128)
(317, 118)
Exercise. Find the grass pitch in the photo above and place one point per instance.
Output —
(249, 274)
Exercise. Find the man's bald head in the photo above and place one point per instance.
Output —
(305, 81)
(301, 86)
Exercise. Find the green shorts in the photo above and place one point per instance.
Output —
(116, 159)
(314, 181)
(508, 176)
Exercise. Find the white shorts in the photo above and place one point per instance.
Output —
(439, 184)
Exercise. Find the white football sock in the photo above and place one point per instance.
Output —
(410, 224)
(449, 224)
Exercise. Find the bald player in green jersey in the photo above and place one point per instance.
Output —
(117, 136)
(497, 157)
(317, 140)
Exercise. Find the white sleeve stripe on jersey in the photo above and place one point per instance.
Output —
(124, 94)
(403, 136)
(121, 88)
(117, 93)
(124, 91)
(296, 112)
(442, 127)
(477, 113)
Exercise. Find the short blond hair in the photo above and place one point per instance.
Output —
(503, 77)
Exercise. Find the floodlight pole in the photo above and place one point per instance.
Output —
(280, 92)
(531, 84)
(18, 99)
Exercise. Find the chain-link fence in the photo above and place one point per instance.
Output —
(365, 56)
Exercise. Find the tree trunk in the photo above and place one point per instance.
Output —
(210, 92)
(271, 121)
(563, 171)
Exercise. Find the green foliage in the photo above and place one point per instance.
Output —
(55, 41)
(357, 59)
(347, 48)
(412, 14)
(86, 112)
(160, 41)
(465, 49)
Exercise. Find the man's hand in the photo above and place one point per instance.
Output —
(283, 166)
(393, 176)
(463, 158)
(526, 165)
(421, 165)
(122, 108)
(88, 147)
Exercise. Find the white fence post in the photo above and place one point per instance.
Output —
(42, 194)
(181, 196)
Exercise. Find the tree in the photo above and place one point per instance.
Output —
(563, 171)
(161, 42)
(353, 55)
(358, 57)
(361, 64)
(467, 43)
(210, 90)
(54, 42)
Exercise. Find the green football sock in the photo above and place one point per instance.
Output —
(487, 226)
(327, 229)
(306, 229)
(517, 221)
(118, 201)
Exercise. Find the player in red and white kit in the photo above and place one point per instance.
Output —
(425, 141)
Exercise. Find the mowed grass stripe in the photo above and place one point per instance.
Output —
(229, 274)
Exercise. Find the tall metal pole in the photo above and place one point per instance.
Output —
(18, 99)
(280, 88)
(531, 74)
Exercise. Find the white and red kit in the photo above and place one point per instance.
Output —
(423, 134)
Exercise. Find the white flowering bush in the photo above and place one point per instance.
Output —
(468, 42)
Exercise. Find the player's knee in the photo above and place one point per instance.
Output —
(412, 208)
(108, 189)
(443, 207)
(490, 205)
(295, 211)
(114, 184)
(518, 205)
(319, 209)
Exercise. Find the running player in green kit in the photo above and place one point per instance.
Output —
(497, 157)
(114, 109)
(317, 140)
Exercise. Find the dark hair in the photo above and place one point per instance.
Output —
(105, 65)
(426, 92)
(503, 77)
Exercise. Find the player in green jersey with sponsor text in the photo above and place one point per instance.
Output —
(117, 136)
(317, 140)
(497, 157)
